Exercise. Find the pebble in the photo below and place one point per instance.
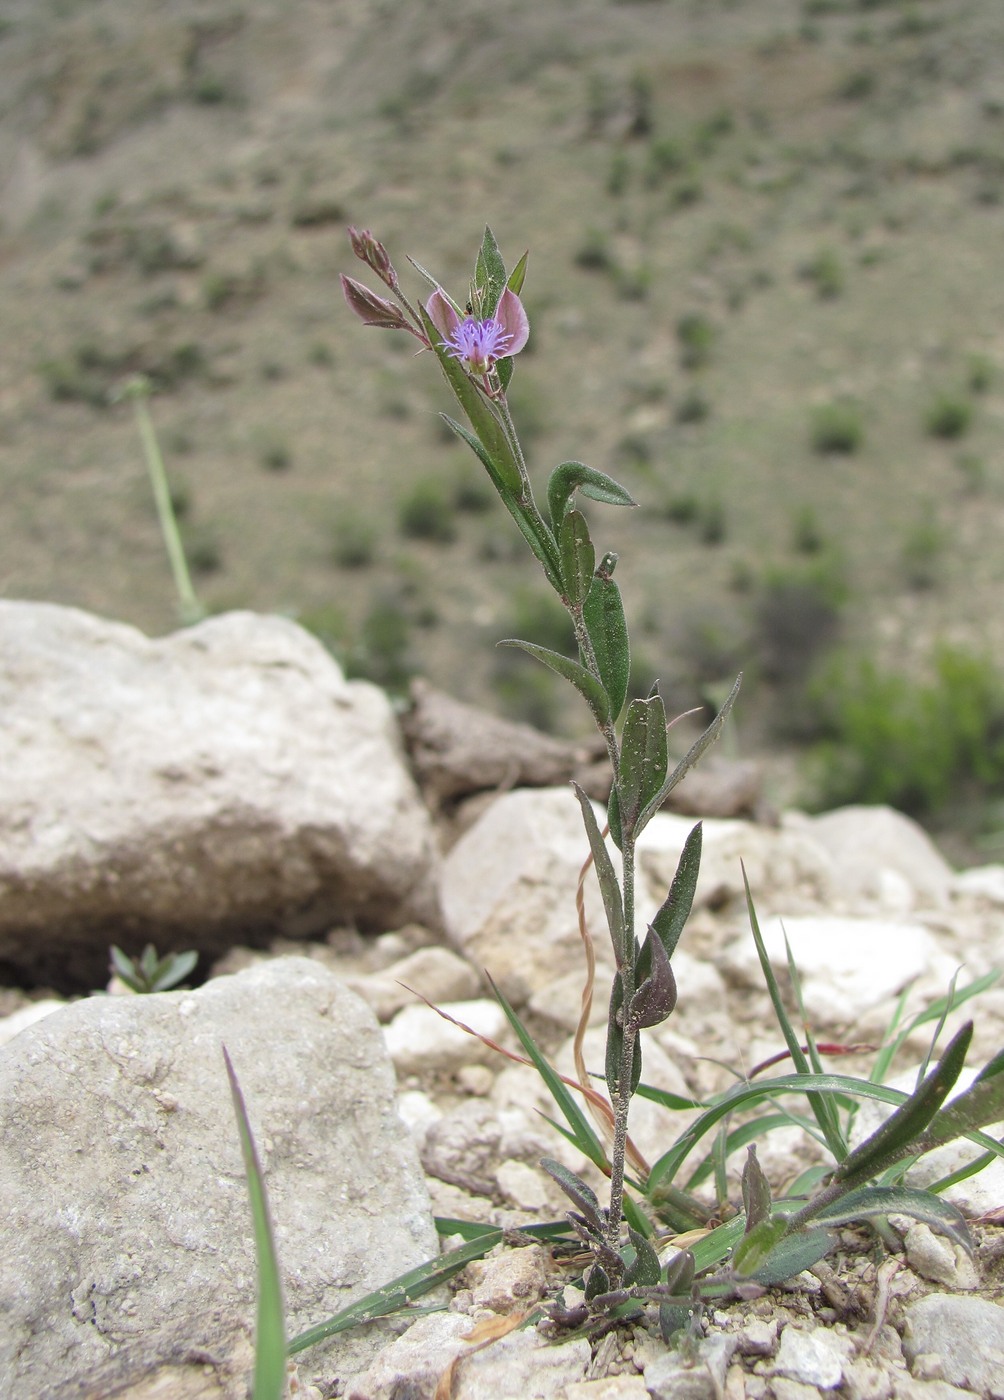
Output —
(419, 1041)
(815, 1357)
(959, 1340)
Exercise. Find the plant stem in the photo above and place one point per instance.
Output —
(622, 1099)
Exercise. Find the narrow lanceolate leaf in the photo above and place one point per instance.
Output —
(603, 614)
(692, 755)
(584, 681)
(270, 1329)
(756, 1190)
(870, 1201)
(583, 1197)
(393, 1297)
(518, 274)
(675, 911)
(981, 1104)
(792, 1253)
(655, 998)
(569, 477)
(578, 557)
(489, 273)
(606, 875)
(643, 757)
(582, 1133)
(897, 1137)
(615, 1045)
(536, 535)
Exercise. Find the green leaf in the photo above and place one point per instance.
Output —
(699, 747)
(174, 969)
(675, 911)
(867, 1202)
(541, 543)
(393, 1297)
(582, 1133)
(569, 477)
(578, 557)
(603, 614)
(979, 1105)
(482, 418)
(584, 681)
(821, 1110)
(897, 1137)
(270, 1328)
(756, 1191)
(515, 282)
(644, 755)
(717, 1245)
(583, 1197)
(757, 1243)
(615, 1044)
(606, 876)
(743, 1095)
(792, 1253)
(645, 1269)
(489, 273)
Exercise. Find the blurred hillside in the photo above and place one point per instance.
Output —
(765, 288)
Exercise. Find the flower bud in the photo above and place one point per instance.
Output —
(371, 309)
(372, 252)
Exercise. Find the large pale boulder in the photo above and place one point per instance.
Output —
(219, 785)
(127, 1233)
(508, 890)
(876, 849)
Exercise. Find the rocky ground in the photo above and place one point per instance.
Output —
(225, 789)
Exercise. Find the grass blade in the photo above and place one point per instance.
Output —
(401, 1291)
(270, 1329)
(582, 1133)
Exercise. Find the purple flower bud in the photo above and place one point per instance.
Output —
(374, 254)
(371, 309)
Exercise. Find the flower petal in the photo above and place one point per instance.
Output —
(513, 320)
(441, 313)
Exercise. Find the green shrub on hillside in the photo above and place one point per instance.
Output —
(837, 427)
(912, 745)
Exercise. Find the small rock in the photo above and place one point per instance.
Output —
(814, 1357)
(437, 974)
(462, 1147)
(785, 1388)
(523, 1186)
(420, 1041)
(25, 1016)
(670, 1377)
(476, 1080)
(863, 842)
(959, 1340)
(609, 1388)
(757, 1337)
(983, 882)
(936, 1258)
(846, 964)
(512, 1281)
(908, 1388)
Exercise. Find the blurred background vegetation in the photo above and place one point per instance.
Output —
(766, 288)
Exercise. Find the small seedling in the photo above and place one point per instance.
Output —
(148, 972)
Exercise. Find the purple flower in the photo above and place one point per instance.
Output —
(478, 344)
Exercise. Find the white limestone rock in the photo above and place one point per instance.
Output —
(846, 965)
(867, 843)
(420, 1041)
(508, 890)
(216, 786)
(127, 1232)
